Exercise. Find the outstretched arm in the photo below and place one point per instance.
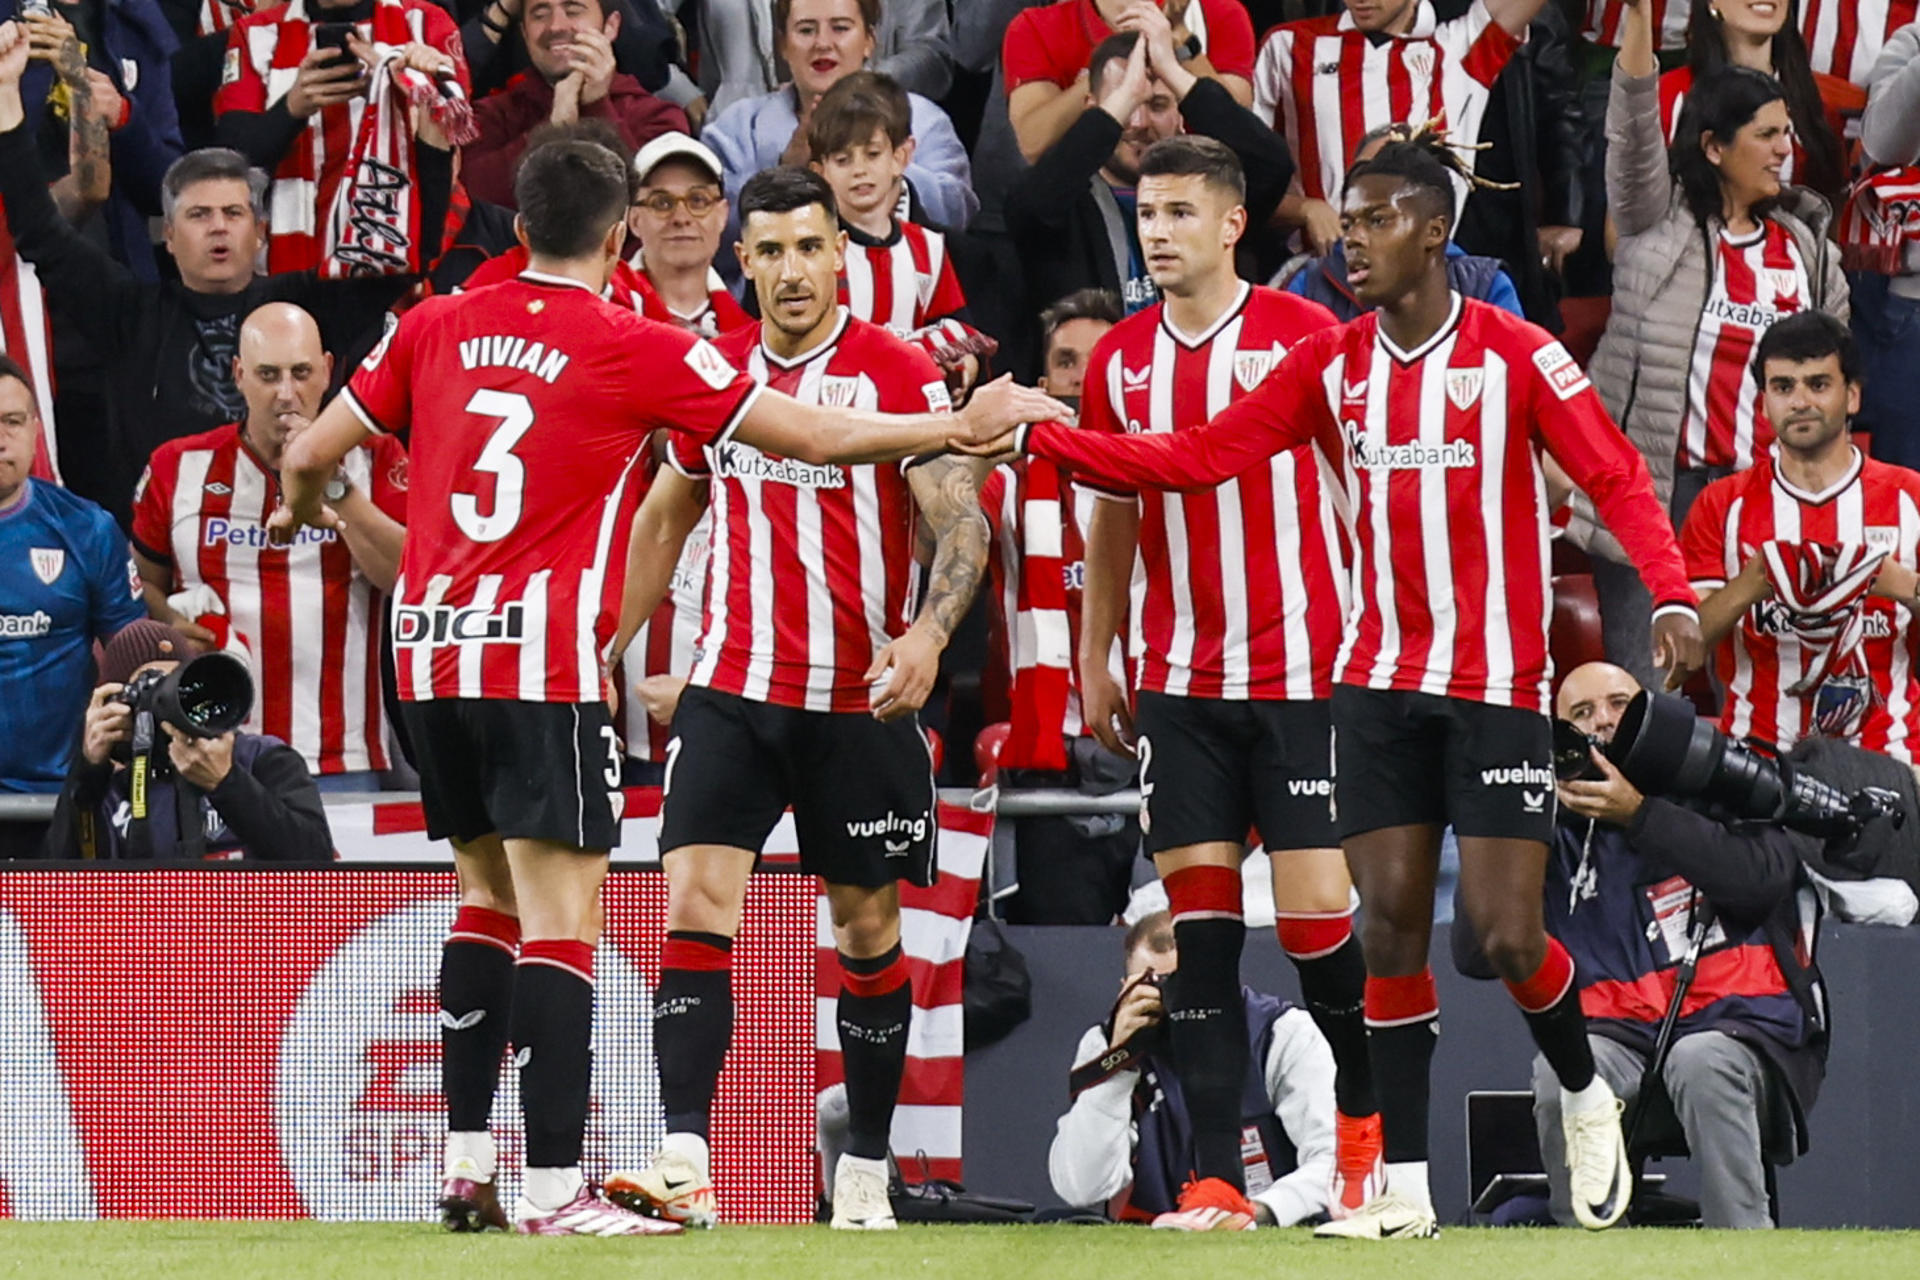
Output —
(779, 424)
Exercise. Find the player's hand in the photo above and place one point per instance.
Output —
(1678, 648)
(1321, 226)
(321, 82)
(1611, 799)
(1103, 703)
(14, 52)
(903, 673)
(1001, 405)
(659, 696)
(205, 762)
(1140, 1006)
(107, 725)
(591, 54)
(284, 525)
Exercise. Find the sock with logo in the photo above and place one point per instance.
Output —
(1333, 986)
(692, 1025)
(553, 1047)
(876, 1004)
(476, 993)
(1403, 1022)
(1551, 1004)
(1206, 1018)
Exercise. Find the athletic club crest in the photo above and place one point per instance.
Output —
(47, 562)
(1250, 368)
(1463, 386)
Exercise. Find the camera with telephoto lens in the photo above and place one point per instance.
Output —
(203, 697)
(1664, 748)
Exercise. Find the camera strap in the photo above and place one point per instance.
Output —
(1122, 1057)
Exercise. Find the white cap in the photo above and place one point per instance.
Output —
(669, 146)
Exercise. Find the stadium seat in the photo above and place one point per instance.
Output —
(986, 751)
(1574, 637)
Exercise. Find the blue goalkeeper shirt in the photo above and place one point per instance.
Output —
(66, 580)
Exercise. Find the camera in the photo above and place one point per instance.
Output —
(1664, 748)
(203, 698)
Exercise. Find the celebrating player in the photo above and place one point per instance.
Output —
(1246, 588)
(1439, 408)
(804, 693)
(530, 403)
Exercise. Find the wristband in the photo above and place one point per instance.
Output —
(1191, 49)
(126, 114)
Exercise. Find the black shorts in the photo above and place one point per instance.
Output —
(861, 790)
(522, 770)
(1210, 769)
(1411, 758)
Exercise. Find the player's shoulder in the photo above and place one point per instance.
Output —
(1134, 331)
(863, 339)
(1719, 496)
(1878, 475)
(737, 343)
(1518, 338)
(1283, 311)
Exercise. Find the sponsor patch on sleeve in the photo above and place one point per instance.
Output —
(230, 69)
(938, 401)
(133, 578)
(1562, 372)
(379, 352)
(705, 359)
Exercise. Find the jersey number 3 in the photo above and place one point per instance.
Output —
(497, 459)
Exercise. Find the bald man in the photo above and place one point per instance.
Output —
(306, 616)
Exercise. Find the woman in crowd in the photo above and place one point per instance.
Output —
(1713, 247)
(738, 38)
(823, 42)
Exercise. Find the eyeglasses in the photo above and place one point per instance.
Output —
(661, 204)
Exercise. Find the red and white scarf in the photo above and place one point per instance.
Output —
(1824, 589)
(345, 197)
(27, 336)
(1041, 633)
(1880, 221)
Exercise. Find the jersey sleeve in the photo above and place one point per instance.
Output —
(1272, 76)
(114, 598)
(1582, 437)
(1023, 54)
(1703, 540)
(690, 388)
(1229, 38)
(380, 392)
(242, 87)
(1097, 411)
(687, 456)
(948, 297)
(1481, 46)
(389, 462)
(153, 509)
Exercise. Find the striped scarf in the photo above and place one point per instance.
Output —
(1880, 221)
(218, 15)
(1824, 590)
(1041, 633)
(27, 336)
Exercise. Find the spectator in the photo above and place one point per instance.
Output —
(1882, 242)
(1846, 37)
(1847, 673)
(1125, 1145)
(65, 582)
(307, 616)
(823, 42)
(737, 48)
(1072, 213)
(1712, 248)
(126, 47)
(332, 128)
(570, 44)
(1757, 34)
(897, 273)
(1629, 879)
(678, 217)
(646, 46)
(1322, 82)
(1047, 51)
(1324, 279)
(200, 51)
(169, 346)
(240, 795)
(1071, 870)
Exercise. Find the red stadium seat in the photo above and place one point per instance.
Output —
(986, 750)
(1575, 635)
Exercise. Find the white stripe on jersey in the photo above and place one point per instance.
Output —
(593, 579)
(533, 645)
(719, 585)
(485, 593)
(1899, 700)
(1493, 470)
(1235, 660)
(1160, 418)
(1381, 677)
(1740, 688)
(1436, 553)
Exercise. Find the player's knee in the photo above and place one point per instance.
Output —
(490, 897)
(1391, 946)
(1513, 952)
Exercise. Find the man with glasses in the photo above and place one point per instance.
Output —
(678, 215)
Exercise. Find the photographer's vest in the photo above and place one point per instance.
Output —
(1163, 1160)
(164, 820)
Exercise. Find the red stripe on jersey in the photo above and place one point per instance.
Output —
(1876, 505)
(1756, 280)
(1844, 37)
(903, 284)
(1669, 17)
(1241, 601)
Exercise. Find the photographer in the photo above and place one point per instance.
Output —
(1126, 1145)
(1630, 880)
(232, 796)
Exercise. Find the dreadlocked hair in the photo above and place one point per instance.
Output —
(1423, 155)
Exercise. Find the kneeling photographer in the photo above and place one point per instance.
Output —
(161, 773)
(1655, 895)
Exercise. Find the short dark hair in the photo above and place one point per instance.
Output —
(1081, 304)
(1119, 45)
(570, 192)
(783, 11)
(1803, 336)
(1208, 159)
(1424, 161)
(847, 114)
(1719, 103)
(784, 189)
(11, 368)
(1146, 932)
(210, 164)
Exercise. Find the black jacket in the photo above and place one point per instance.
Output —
(1061, 227)
(169, 350)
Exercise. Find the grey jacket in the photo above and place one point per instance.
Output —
(1890, 129)
(1661, 275)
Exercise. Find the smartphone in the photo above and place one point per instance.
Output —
(333, 35)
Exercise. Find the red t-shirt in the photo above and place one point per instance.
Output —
(1053, 42)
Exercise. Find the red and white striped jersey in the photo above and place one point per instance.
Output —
(1245, 585)
(26, 334)
(1324, 83)
(1607, 18)
(1875, 505)
(630, 287)
(902, 283)
(307, 618)
(530, 404)
(810, 572)
(218, 15)
(1757, 278)
(1844, 36)
(665, 645)
(1441, 447)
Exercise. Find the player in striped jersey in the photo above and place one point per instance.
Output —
(803, 693)
(1788, 677)
(1439, 410)
(1844, 37)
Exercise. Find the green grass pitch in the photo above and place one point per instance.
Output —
(296, 1251)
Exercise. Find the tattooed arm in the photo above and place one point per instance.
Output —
(89, 177)
(947, 492)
